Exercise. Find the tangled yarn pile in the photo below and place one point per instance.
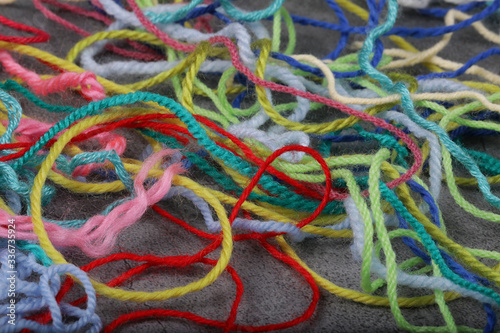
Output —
(209, 106)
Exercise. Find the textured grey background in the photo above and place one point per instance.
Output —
(273, 292)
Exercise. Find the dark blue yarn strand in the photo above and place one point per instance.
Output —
(344, 36)
(491, 318)
(294, 63)
(435, 32)
(325, 25)
(402, 31)
(100, 11)
(427, 197)
(441, 12)
(243, 80)
(373, 14)
(465, 67)
(381, 5)
(342, 138)
(466, 131)
(237, 101)
(200, 11)
(223, 18)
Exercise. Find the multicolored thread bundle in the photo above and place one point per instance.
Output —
(200, 126)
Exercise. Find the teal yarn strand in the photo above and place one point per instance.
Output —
(253, 16)
(10, 180)
(231, 160)
(165, 18)
(101, 157)
(409, 108)
(10, 85)
(487, 163)
(14, 114)
(432, 248)
(387, 141)
(37, 251)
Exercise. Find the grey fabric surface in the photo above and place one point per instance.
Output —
(273, 292)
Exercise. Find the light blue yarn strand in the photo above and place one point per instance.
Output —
(41, 295)
(213, 226)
